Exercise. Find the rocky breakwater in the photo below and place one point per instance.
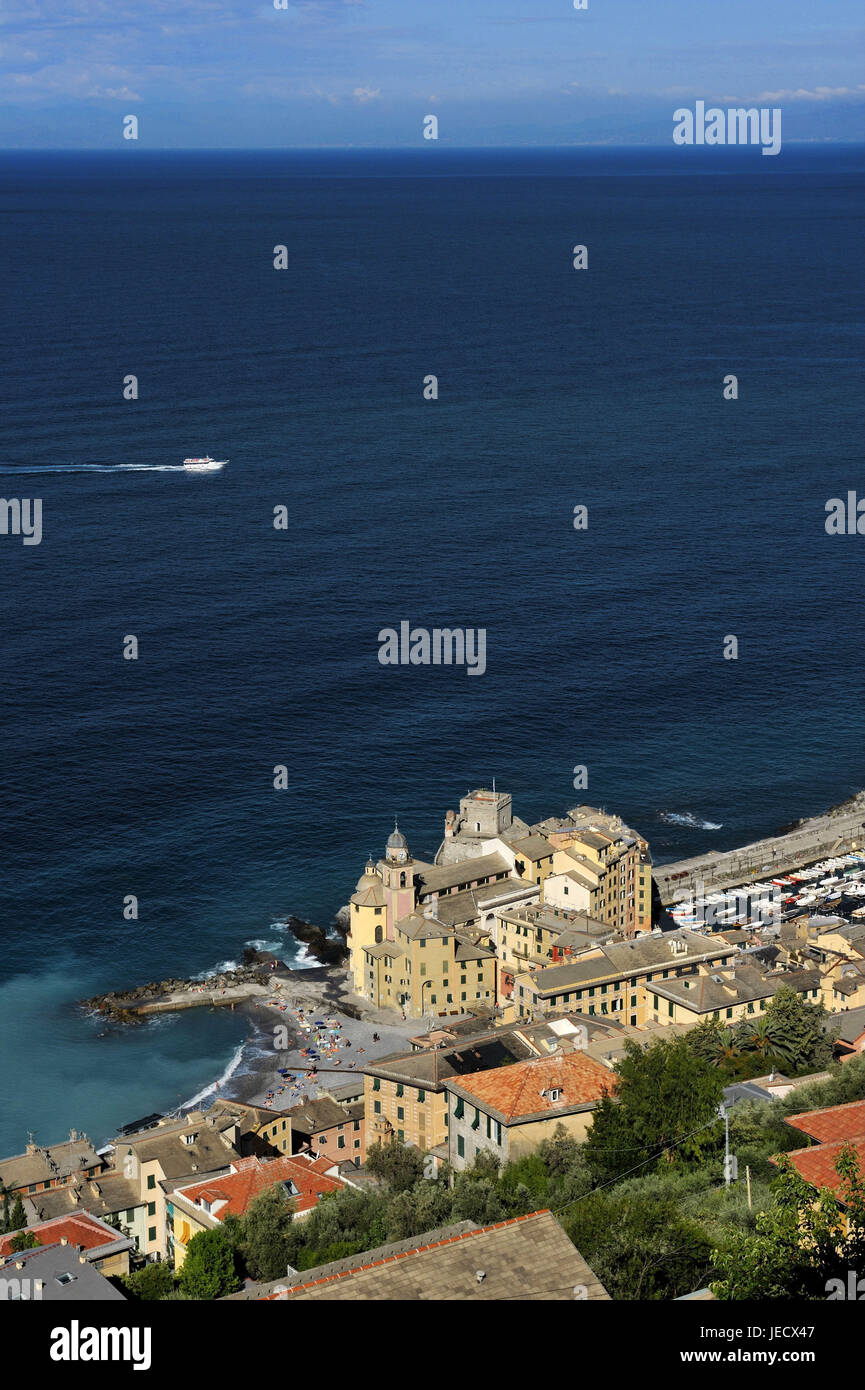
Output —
(229, 987)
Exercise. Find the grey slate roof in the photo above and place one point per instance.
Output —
(526, 1258)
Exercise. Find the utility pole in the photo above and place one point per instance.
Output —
(729, 1160)
(748, 1181)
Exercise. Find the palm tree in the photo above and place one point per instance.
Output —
(756, 1035)
(718, 1044)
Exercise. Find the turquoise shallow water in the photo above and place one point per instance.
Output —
(259, 648)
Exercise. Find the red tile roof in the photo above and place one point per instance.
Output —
(515, 1091)
(833, 1127)
(254, 1175)
(817, 1164)
(81, 1230)
(832, 1123)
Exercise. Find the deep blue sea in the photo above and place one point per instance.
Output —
(258, 647)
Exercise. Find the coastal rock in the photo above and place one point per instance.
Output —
(325, 948)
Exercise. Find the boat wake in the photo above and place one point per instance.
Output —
(688, 819)
(97, 468)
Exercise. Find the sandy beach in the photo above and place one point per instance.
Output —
(302, 1021)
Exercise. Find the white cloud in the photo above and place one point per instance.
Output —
(364, 94)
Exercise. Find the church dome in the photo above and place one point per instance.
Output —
(368, 873)
(396, 840)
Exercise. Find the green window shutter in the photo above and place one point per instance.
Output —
(459, 1109)
(376, 1083)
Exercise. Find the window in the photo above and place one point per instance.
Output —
(399, 1088)
(376, 1105)
(400, 1113)
(151, 1233)
(400, 1134)
(151, 1181)
(376, 1083)
(340, 1143)
(459, 1108)
(461, 1146)
(476, 1122)
(421, 1096)
(151, 1208)
(357, 1124)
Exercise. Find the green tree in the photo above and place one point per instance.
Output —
(399, 1165)
(662, 1113)
(801, 1243)
(18, 1216)
(355, 1217)
(714, 1043)
(797, 1030)
(639, 1249)
(153, 1281)
(25, 1240)
(208, 1271)
(265, 1238)
(757, 1035)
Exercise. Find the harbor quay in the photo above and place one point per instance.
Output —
(837, 832)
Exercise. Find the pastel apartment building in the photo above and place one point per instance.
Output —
(203, 1206)
(610, 980)
(404, 1094)
(509, 1111)
(727, 996)
(330, 1129)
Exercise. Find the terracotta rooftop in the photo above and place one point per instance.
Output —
(817, 1164)
(522, 1089)
(833, 1127)
(83, 1231)
(832, 1124)
(528, 1257)
(236, 1190)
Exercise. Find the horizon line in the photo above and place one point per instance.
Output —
(820, 143)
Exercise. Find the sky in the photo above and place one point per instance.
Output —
(364, 73)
